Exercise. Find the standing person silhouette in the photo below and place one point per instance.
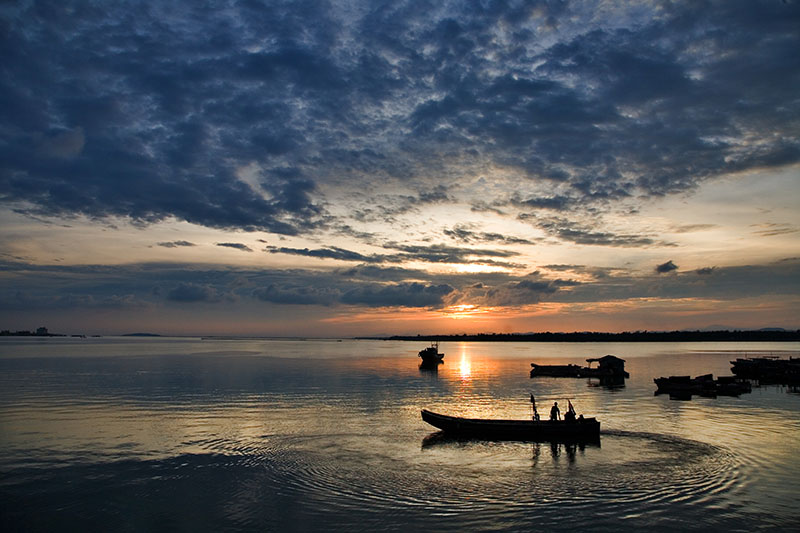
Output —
(535, 415)
(555, 412)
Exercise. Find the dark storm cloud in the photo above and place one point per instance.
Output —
(235, 246)
(663, 268)
(152, 111)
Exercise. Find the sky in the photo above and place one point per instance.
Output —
(346, 168)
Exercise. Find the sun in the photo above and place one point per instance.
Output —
(462, 311)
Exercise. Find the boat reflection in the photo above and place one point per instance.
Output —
(607, 382)
(441, 438)
(429, 366)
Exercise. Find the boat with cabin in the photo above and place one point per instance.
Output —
(608, 366)
(431, 355)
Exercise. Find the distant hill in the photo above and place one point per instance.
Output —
(718, 327)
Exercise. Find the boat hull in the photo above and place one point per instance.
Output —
(587, 429)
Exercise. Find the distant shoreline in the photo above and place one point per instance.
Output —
(765, 335)
(635, 336)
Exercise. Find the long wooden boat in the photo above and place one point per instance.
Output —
(585, 429)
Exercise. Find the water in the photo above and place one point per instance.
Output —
(128, 434)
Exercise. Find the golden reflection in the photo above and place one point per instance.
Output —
(465, 367)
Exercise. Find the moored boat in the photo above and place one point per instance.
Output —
(431, 354)
(685, 386)
(582, 429)
(768, 369)
(608, 366)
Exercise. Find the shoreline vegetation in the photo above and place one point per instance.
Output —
(774, 335)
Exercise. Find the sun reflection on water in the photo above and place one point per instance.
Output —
(465, 367)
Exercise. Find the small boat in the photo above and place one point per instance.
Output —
(582, 429)
(431, 354)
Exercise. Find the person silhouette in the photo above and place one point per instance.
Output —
(555, 412)
(569, 416)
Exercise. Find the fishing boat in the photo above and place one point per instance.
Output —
(431, 354)
(582, 429)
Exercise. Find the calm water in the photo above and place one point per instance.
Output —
(121, 434)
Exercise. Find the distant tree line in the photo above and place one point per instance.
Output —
(628, 336)
(40, 332)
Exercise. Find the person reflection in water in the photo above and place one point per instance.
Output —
(555, 412)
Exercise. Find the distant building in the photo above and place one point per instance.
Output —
(41, 331)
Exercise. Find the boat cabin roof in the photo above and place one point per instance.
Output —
(605, 358)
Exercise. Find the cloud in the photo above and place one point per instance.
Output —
(513, 292)
(463, 233)
(63, 144)
(772, 229)
(413, 295)
(571, 231)
(326, 253)
(690, 228)
(190, 293)
(435, 253)
(396, 295)
(557, 203)
(714, 283)
(176, 244)
(149, 114)
(298, 294)
(235, 246)
(669, 266)
(439, 253)
(41, 289)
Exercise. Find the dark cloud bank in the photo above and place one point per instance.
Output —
(151, 111)
(146, 285)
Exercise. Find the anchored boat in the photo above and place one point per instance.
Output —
(431, 355)
(608, 366)
(705, 385)
(582, 429)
